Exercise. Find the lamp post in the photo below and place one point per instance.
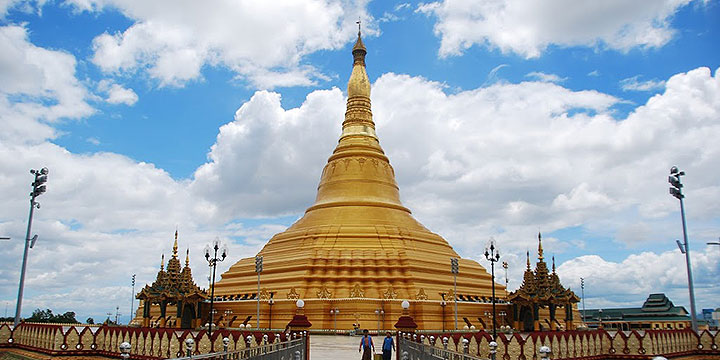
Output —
(379, 312)
(600, 325)
(132, 300)
(258, 270)
(492, 255)
(38, 189)
(582, 287)
(505, 266)
(212, 261)
(676, 191)
(226, 316)
(271, 302)
(334, 312)
(443, 303)
(455, 268)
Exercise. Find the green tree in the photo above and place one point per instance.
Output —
(47, 316)
(90, 321)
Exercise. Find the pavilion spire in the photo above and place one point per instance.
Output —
(540, 249)
(528, 259)
(187, 258)
(175, 245)
(162, 262)
(553, 265)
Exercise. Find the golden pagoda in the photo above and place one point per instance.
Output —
(357, 252)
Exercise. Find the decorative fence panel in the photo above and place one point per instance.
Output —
(569, 345)
(146, 343)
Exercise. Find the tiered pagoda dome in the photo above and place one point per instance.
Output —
(357, 250)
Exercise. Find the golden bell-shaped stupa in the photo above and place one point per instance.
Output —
(357, 252)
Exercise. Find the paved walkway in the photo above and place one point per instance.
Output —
(335, 347)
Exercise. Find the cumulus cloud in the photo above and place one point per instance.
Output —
(502, 161)
(37, 87)
(116, 94)
(541, 76)
(527, 28)
(641, 274)
(262, 42)
(633, 84)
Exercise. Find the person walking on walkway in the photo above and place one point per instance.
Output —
(388, 346)
(366, 346)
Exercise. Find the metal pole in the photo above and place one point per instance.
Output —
(18, 308)
(212, 294)
(492, 270)
(455, 299)
(258, 302)
(691, 288)
(132, 299)
(582, 286)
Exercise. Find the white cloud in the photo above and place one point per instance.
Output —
(632, 84)
(541, 76)
(628, 282)
(527, 28)
(263, 42)
(503, 160)
(117, 94)
(594, 73)
(42, 85)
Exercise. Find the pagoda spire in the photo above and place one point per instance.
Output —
(553, 265)
(358, 173)
(162, 262)
(528, 259)
(187, 258)
(175, 245)
(540, 249)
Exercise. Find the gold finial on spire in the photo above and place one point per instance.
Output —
(358, 50)
(175, 246)
(358, 23)
(162, 262)
(540, 249)
(528, 259)
(187, 258)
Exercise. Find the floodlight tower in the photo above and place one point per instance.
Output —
(38, 189)
(676, 191)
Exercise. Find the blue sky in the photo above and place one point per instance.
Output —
(502, 118)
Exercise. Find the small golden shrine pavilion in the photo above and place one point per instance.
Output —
(173, 287)
(535, 303)
(357, 252)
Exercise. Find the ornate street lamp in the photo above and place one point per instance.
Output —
(443, 303)
(271, 302)
(455, 269)
(212, 261)
(492, 255)
(334, 312)
(38, 189)
(676, 191)
(378, 313)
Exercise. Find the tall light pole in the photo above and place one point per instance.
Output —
(582, 287)
(676, 191)
(493, 256)
(455, 268)
(132, 300)
(258, 270)
(38, 189)
(212, 261)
